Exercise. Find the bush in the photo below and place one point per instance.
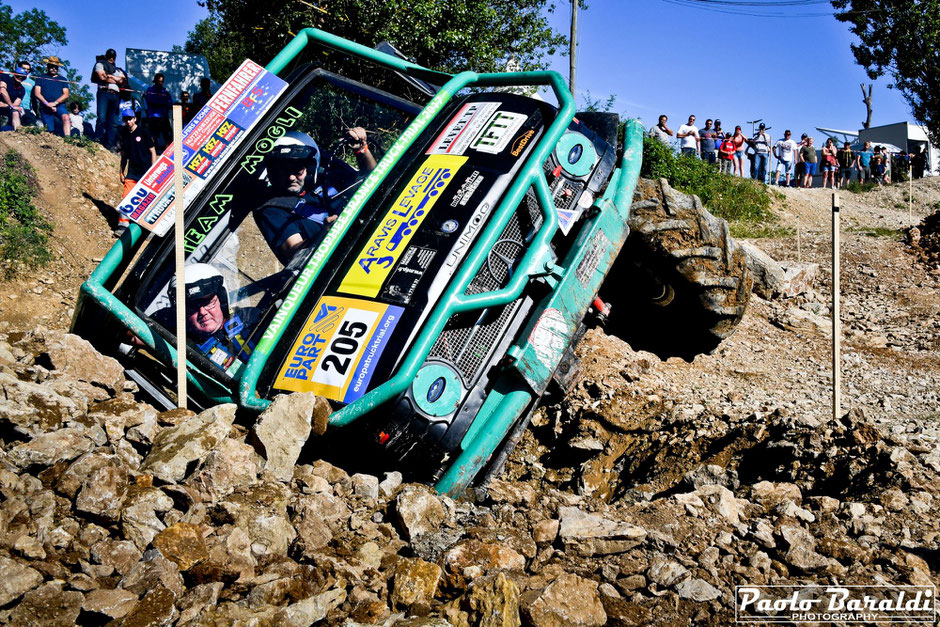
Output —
(744, 203)
(82, 141)
(24, 233)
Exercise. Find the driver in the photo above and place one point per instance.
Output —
(219, 334)
(301, 208)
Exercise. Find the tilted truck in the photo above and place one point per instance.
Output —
(443, 281)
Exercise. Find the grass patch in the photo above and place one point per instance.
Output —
(24, 233)
(82, 142)
(31, 130)
(744, 203)
(859, 188)
(750, 230)
(874, 231)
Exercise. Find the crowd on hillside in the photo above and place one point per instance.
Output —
(138, 128)
(797, 163)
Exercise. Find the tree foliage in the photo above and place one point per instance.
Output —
(32, 35)
(479, 35)
(900, 38)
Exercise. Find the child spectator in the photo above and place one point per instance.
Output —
(878, 166)
(846, 158)
(75, 118)
(740, 143)
(726, 155)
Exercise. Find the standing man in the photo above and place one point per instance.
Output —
(159, 102)
(785, 151)
(688, 134)
(661, 132)
(202, 96)
(809, 159)
(709, 147)
(761, 143)
(12, 93)
(108, 79)
(863, 163)
(137, 155)
(52, 91)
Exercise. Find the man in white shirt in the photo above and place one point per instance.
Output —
(688, 135)
(785, 152)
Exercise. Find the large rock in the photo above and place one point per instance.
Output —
(33, 408)
(419, 511)
(415, 583)
(102, 493)
(15, 580)
(316, 518)
(198, 599)
(116, 415)
(152, 572)
(778, 279)
(231, 466)
(109, 603)
(76, 358)
(589, 534)
(158, 607)
(697, 590)
(469, 559)
(261, 512)
(494, 601)
(282, 430)
(48, 605)
(183, 544)
(310, 610)
(118, 555)
(139, 519)
(51, 448)
(176, 448)
(569, 600)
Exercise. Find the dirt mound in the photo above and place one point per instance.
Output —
(78, 192)
(925, 239)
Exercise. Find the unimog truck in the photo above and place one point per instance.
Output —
(427, 269)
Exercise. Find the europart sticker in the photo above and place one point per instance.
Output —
(463, 128)
(398, 226)
(337, 350)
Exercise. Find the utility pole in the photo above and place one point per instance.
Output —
(752, 123)
(573, 44)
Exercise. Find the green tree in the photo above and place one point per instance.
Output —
(451, 36)
(900, 38)
(31, 36)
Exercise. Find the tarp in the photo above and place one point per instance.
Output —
(181, 71)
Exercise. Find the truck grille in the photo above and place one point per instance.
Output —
(469, 338)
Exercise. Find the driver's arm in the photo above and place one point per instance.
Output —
(360, 144)
(292, 244)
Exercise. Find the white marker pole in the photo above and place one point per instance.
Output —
(836, 327)
(910, 193)
(180, 257)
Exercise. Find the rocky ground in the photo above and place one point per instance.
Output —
(643, 497)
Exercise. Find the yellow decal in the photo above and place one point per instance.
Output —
(396, 229)
(326, 353)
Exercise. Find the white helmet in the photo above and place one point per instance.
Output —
(201, 280)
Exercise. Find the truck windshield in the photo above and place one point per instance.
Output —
(248, 237)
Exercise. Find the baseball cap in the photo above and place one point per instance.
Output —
(127, 111)
(762, 126)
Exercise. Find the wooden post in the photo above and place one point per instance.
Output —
(573, 45)
(179, 207)
(910, 192)
(836, 326)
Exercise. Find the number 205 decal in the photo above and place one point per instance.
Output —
(338, 348)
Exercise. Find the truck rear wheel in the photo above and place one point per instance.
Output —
(681, 284)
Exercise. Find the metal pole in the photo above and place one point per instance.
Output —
(910, 192)
(573, 44)
(836, 326)
(179, 207)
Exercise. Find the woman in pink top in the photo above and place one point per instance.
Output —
(740, 145)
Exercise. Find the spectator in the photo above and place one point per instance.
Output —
(878, 166)
(12, 93)
(846, 159)
(721, 134)
(829, 163)
(739, 145)
(202, 96)
(688, 134)
(108, 78)
(762, 144)
(76, 119)
(661, 131)
(798, 165)
(137, 155)
(785, 152)
(29, 103)
(159, 101)
(809, 159)
(186, 106)
(710, 141)
(918, 163)
(52, 91)
(863, 163)
(726, 155)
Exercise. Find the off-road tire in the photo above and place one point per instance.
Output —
(681, 284)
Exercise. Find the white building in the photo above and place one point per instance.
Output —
(903, 134)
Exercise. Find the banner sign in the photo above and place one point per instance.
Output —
(208, 140)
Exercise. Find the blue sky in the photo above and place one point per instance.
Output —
(655, 56)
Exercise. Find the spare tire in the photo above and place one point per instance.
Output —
(681, 284)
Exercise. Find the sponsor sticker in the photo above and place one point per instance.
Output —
(337, 350)
(519, 144)
(158, 175)
(463, 128)
(836, 603)
(470, 185)
(497, 132)
(395, 230)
